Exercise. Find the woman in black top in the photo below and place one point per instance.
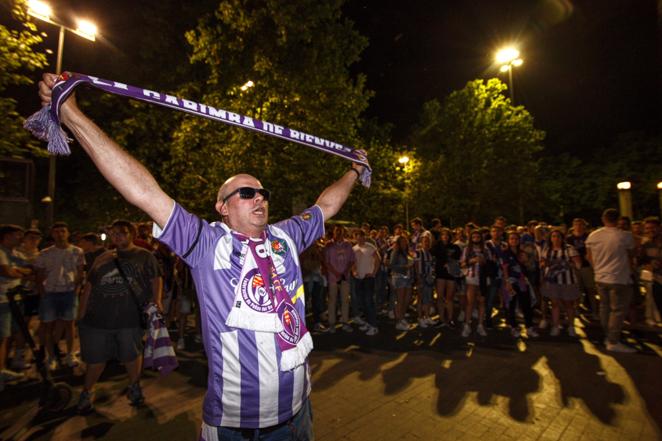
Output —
(447, 270)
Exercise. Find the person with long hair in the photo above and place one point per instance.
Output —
(401, 265)
(425, 278)
(447, 271)
(559, 261)
(517, 285)
(473, 261)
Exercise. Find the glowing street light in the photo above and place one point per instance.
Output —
(507, 58)
(247, 85)
(625, 198)
(659, 192)
(86, 29)
(404, 160)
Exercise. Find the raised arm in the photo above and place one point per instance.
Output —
(134, 182)
(334, 196)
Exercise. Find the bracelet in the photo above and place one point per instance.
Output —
(358, 175)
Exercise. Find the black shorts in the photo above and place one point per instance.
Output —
(102, 345)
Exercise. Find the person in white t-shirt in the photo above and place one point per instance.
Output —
(610, 251)
(366, 265)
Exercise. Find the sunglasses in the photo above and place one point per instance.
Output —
(249, 193)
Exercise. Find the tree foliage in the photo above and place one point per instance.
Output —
(478, 155)
(17, 57)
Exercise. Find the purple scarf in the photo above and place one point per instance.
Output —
(45, 124)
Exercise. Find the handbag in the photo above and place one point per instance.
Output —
(144, 317)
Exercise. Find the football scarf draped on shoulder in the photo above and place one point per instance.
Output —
(45, 124)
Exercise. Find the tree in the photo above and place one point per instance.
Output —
(478, 155)
(17, 56)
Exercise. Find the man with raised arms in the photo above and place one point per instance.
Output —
(248, 282)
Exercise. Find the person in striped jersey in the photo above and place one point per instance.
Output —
(248, 281)
(559, 262)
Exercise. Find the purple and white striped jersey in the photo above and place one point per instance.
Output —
(245, 386)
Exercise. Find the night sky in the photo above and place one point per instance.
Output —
(591, 68)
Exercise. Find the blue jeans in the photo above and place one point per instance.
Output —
(365, 290)
(381, 288)
(298, 428)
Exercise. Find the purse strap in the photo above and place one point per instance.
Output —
(116, 260)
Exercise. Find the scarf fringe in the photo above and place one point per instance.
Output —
(42, 126)
(297, 356)
(254, 321)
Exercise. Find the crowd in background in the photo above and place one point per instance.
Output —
(471, 280)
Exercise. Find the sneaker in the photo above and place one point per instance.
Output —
(135, 394)
(620, 347)
(460, 316)
(530, 332)
(332, 329)
(7, 375)
(432, 322)
(181, 345)
(197, 338)
(84, 405)
(402, 325)
(466, 330)
(422, 323)
(515, 332)
(71, 360)
(481, 331)
(543, 324)
(358, 320)
(391, 315)
(346, 328)
(364, 327)
(372, 331)
(555, 331)
(571, 331)
(320, 328)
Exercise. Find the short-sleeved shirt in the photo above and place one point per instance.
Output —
(473, 270)
(446, 260)
(364, 259)
(340, 257)
(111, 305)
(651, 251)
(245, 386)
(8, 258)
(559, 267)
(579, 244)
(61, 266)
(610, 248)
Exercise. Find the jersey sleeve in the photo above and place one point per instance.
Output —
(187, 235)
(304, 228)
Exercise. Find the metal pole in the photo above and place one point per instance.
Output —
(510, 84)
(625, 203)
(52, 166)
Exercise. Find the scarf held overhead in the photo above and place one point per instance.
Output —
(45, 124)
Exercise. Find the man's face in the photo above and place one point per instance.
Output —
(338, 234)
(31, 240)
(248, 216)
(578, 228)
(501, 223)
(495, 234)
(624, 224)
(651, 229)
(513, 240)
(360, 239)
(12, 240)
(121, 237)
(416, 226)
(85, 245)
(60, 235)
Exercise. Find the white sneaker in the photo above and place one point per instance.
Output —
(460, 316)
(422, 323)
(515, 332)
(320, 328)
(555, 331)
(346, 328)
(332, 329)
(358, 320)
(466, 330)
(7, 375)
(571, 331)
(481, 331)
(391, 315)
(402, 325)
(620, 347)
(181, 345)
(530, 332)
(432, 322)
(71, 360)
(372, 331)
(543, 324)
(364, 327)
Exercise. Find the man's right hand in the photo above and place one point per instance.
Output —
(45, 95)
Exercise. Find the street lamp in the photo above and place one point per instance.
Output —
(625, 198)
(404, 160)
(507, 58)
(659, 192)
(85, 29)
(247, 85)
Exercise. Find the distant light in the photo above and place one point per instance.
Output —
(103, 236)
(625, 185)
(40, 10)
(46, 200)
(659, 185)
(87, 29)
(505, 68)
(403, 159)
(247, 85)
(507, 55)
(517, 62)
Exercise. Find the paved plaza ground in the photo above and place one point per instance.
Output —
(421, 385)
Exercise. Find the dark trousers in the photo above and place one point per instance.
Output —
(492, 293)
(523, 299)
(365, 291)
(315, 292)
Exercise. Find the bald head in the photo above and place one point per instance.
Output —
(234, 182)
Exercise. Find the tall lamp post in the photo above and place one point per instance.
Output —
(625, 198)
(85, 29)
(507, 58)
(404, 160)
(659, 193)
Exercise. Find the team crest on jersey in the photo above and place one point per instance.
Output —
(306, 216)
(289, 316)
(254, 292)
(279, 247)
